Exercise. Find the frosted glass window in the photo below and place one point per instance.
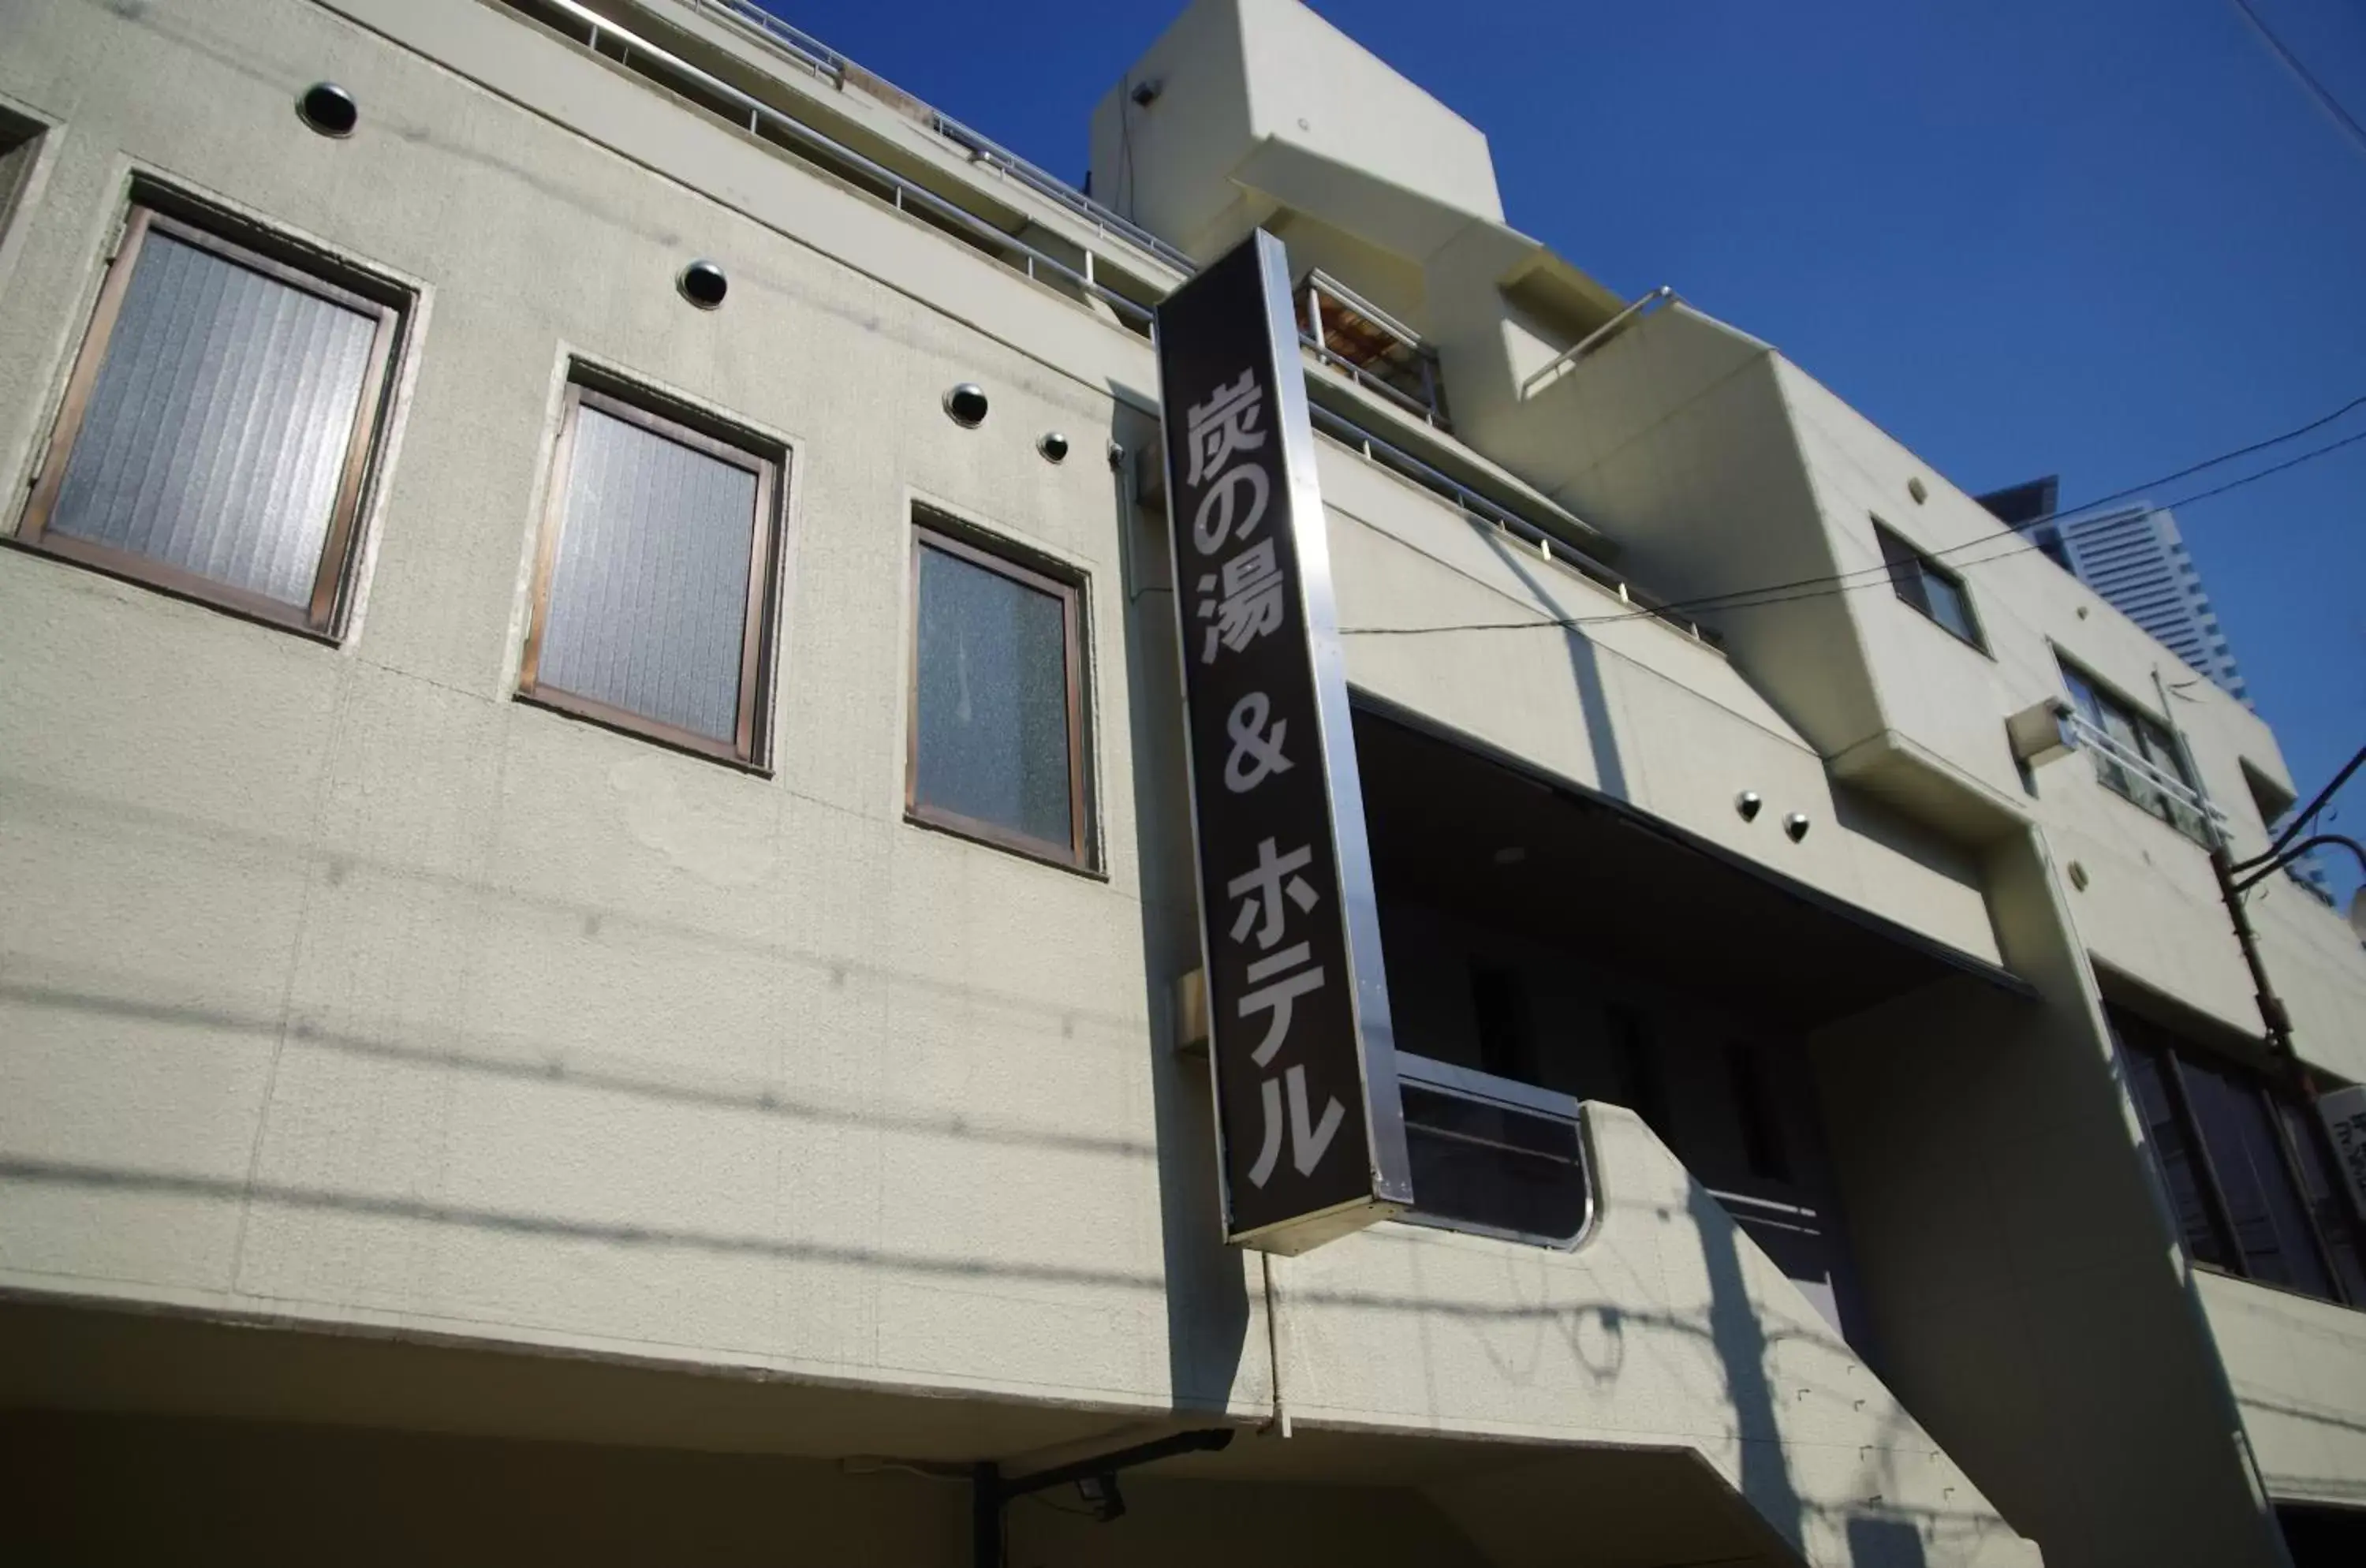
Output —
(217, 427)
(651, 608)
(995, 750)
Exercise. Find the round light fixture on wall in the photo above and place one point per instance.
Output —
(1749, 802)
(965, 405)
(329, 109)
(1796, 825)
(1053, 446)
(703, 284)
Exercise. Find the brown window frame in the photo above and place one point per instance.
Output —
(932, 530)
(771, 467)
(320, 616)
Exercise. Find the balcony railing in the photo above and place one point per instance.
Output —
(1634, 312)
(745, 17)
(1339, 327)
(1493, 1157)
(2127, 771)
(1370, 347)
(779, 129)
(1540, 536)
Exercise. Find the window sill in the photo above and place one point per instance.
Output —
(615, 720)
(186, 587)
(974, 832)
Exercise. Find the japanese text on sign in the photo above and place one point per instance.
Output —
(1298, 1017)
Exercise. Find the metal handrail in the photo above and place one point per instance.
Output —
(1397, 460)
(1519, 1098)
(904, 191)
(781, 34)
(1471, 1083)
(1601, 334)
(1314, 330)
(2169, 784)
(813, 52)
(1364, 378)
(1318, 279)
(1045, 183)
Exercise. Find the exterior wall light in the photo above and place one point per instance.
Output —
(965, 405)
(329, 109)
(1749, 802)
(1053, 446)
(1796, 825)
(703, 284)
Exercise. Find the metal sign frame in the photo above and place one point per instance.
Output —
(1302, 1052)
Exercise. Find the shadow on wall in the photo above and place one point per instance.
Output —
(1207, 1304)
(1741, 1342)
(1584, 663)
(1207, 1299)
(1208, 1307)
(1891, 1543)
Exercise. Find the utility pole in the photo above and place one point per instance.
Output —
(2237, 878)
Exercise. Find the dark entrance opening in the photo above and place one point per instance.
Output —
(1542, 937)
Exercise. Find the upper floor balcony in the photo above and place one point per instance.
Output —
(791, 93)
(1370, 347)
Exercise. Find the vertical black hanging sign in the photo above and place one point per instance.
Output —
(1310, 1130)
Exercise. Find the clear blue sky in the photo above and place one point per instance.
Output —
(2103, 238)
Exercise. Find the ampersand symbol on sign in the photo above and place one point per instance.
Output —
(1255, 753)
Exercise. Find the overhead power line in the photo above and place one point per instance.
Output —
(1880, 572)
(2223, 458)
(2274, 468)
(2317, 89)
(1877, 575)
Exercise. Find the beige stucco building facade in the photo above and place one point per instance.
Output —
(449, 1116)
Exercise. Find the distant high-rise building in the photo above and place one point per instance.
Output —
(2133, 557)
